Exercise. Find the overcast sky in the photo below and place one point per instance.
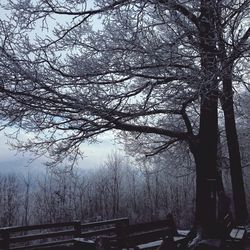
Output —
(96, 154)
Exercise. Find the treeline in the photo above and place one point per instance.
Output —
(142, 191)
(113, 190)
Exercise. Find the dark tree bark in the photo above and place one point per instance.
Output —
(239, 197)
(206, 157)
(219, 179)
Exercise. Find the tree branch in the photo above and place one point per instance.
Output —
(238, 48)
(185, 116)
(81, 13)
(149, 130)
(181, 9)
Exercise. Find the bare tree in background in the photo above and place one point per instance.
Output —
(114, 164)
(9, 200)
(26, 200)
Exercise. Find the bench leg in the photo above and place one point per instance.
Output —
(102, 243)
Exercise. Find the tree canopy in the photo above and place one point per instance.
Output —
(137, 73)
(154, 70)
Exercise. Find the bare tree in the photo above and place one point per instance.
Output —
(233, 47)
(9, 200)
(26, 199)
(145, 71)
(115, 168)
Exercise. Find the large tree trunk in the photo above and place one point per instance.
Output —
(206, 157)
(227, 104)
(206, 171)
(239, 196)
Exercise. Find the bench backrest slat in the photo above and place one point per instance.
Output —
(147, 226)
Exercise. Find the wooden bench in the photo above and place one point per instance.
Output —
(235, 235)
(138, 236)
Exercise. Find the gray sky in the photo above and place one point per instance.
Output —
(96, 154)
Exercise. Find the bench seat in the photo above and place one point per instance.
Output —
(150, 245)
(236, 235)
(157, 243)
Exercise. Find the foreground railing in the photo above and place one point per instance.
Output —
(29, 237)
